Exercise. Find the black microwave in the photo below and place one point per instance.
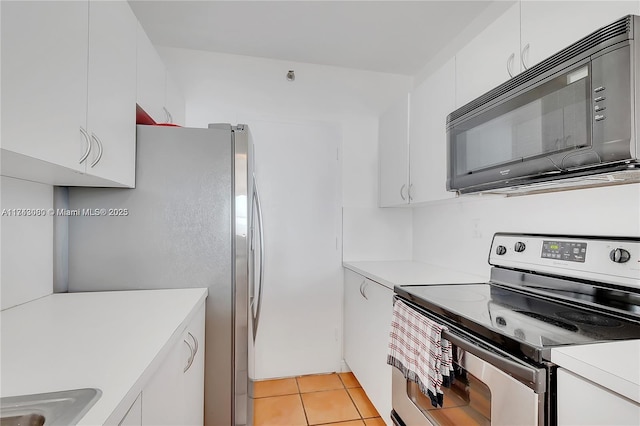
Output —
(568, 121)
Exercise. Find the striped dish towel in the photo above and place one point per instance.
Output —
(417, 349)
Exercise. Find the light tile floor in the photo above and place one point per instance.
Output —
(335, 399)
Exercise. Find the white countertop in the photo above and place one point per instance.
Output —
(613, 365)
(390, 273)
(113, 341)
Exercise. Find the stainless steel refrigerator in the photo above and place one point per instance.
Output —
(193, 220)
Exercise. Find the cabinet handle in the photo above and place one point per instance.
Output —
(99, 143)
(193, 352)
(409, 192)
(525, 52)
(86, 138)
(167, 115)
(510, 64)
(402, 192)
(362, 286)
(195, 342)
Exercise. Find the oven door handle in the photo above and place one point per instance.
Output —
(534, 378)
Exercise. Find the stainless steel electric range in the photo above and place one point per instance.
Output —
(545, 291)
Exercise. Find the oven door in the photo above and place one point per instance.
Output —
(490, 388)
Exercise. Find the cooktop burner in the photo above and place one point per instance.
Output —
(511, 318)
(549, 320)
(589, 319)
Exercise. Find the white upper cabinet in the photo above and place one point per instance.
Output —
(550, 26)
(490, 59)
(157, 92)
(174, 100)
(68, 98)
(44, 80)
(112, 91)
(527, 33)
(393, 152)
(413, 142)
(431, 102)
(151, 76)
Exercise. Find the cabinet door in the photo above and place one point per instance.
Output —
(162, 395)
(393, 152)
(367, 318)
(581, 402)
(193, 378)
(550, 26)
(175, 393)
(44, 80)
(431, 102)
(355, 345)
(483, 63)
(151, 76)
(112, 91)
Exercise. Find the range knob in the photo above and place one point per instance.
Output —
(519, 247)
(619, 255)
(500, 250)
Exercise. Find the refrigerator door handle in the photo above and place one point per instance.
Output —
(256, 317)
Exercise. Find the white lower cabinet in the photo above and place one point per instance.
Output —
(175, 393)
(582, 402)
(368, 307)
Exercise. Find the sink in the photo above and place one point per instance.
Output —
(47, 409)
(26, 420)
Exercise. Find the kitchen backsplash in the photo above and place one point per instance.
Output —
(458, 233)
(27, 241)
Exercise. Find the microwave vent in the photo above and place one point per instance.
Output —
(605, 179)
(621, 27)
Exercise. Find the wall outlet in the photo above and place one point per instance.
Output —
(476, 232)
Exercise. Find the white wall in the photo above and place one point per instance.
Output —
(458, 233)
(238, 89)
(27, 242)
(231, 88)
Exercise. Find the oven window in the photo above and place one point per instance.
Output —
(466, 402)
(551, 118)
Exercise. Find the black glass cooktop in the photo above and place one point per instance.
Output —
(516, 319)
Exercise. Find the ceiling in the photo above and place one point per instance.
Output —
(397, 37)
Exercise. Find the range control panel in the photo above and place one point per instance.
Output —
(572, 251)
(610, 260)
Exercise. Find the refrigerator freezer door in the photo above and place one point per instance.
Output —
(173, 230)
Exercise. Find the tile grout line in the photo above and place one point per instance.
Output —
(354, 404)
(304, 410)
